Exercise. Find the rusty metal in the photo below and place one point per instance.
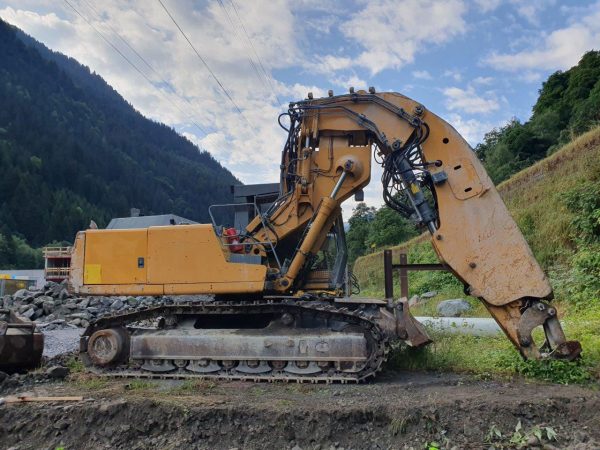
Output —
(323, 342)
(388, 274)
(354, 353)
(403, 272)
(21, 343)
(403, 268)
(108, 347)
(408, 328)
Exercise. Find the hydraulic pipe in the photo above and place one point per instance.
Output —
(338, 185)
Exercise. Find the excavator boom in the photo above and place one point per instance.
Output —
(283, 280)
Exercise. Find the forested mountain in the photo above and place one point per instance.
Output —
(72, 149)
(568, 105)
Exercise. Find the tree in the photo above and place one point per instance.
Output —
(356, 237)
(568, 105)
(389, 228)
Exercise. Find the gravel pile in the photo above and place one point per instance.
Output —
(54, 308)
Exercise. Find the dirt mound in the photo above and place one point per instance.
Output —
(405, 410)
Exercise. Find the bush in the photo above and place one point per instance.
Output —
(582, 283)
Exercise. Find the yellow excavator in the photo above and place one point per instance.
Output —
(280, 308)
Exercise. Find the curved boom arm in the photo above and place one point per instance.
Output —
(430, 172)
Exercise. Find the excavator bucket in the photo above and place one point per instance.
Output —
(21, 343)
(409, 328)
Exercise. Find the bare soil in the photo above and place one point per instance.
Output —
(399, 410)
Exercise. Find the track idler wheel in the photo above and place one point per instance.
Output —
(108, 347)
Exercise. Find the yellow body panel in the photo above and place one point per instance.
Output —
(184, 259)
(193, 254)
(111, 256)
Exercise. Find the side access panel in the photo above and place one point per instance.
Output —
(115, 256)
(189, 259)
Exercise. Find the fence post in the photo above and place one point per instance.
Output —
(403, 276)
(388, 274)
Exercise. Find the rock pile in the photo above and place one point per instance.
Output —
(53, 307)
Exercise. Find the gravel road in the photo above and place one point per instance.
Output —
(57, 342)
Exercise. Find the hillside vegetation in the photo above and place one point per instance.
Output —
(72, 149)
(567, 106)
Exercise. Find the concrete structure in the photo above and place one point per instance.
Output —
(13, 280)
(263, 195)
(57, 263)
(476, 326)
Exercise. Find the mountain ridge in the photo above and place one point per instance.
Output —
(72, 149)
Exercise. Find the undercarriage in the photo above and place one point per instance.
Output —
(263, 340)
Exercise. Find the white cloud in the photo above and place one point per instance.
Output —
(422, 75)
(472, 130)
(561, 49)
(331, 63)
(485, 81)
(469, 101)
(530, 9)
(530, 77)
(488, 5)
(454, 74)
(389, 39)
(350, 81)
(299, 91)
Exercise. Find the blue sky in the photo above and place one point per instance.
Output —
(476, 63)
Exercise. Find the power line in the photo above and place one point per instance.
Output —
(132, 64)
(255, 52)
(168, 84)
(207, 66)
(259, 75)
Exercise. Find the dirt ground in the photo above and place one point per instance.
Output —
(399, 410)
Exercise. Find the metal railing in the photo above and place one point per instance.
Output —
(57, 272)
(254, 242)
(403, 268)
(57, 252)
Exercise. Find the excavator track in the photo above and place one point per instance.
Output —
(156, 353)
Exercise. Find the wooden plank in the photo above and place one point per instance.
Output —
(22, 399)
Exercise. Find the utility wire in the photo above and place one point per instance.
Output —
(207, 66)
(259, 75)
(169, 85)
(115, 48)
(255, 52)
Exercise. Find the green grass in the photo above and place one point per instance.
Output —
(91, 383)
(489, 357)
(75, 365)
(139, 385)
